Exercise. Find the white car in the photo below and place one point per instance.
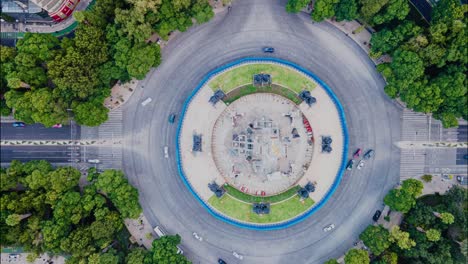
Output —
(237, 255)
(196, 236)
(329, 228)
(146, 101)
(360, 165)
(95, 161)
(166, 152)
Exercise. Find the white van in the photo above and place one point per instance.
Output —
(146, 101)
(161, 233)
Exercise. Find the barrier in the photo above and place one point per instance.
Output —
(299, 218)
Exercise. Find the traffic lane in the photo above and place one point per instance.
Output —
(462, 133)
(37, 132)
(55, 154)
(462, 157)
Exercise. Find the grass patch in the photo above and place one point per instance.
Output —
(255, 199)
(250, 89)
(243, 75)
(278, 212)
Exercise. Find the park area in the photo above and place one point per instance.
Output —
(242, 211)
(242, 75)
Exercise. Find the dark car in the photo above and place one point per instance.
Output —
(268, 49)
(369, 154)
(172, 118)
(377, 215)
(18, 124)
(220, 261)
(357, 153)
(350, 165)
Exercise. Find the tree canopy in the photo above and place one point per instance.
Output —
(357, 256)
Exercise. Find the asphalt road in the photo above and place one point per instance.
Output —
(36, 132)
(373, 122)
(53, 154)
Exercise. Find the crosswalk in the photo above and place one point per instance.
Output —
(415, 127)
(111, 156)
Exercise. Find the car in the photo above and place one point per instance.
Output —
(360, 165)
(237, 255)
(196, 236)
(172, 118)
(268, 49)
(146, 101)
(350, 165)
(57, 126)
(329, 227)
(357, 153)
(376, 215)
(95, 161)
(463, 180)
(19, 124)
(221, 261)
(166, 152)
(369, 154)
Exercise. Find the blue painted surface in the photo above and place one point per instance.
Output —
(306, 214)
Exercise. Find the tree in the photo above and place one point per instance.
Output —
(91, 113)
(201, 11)
(426, 178)
(346, 10)
(404, 199)
(294, 6)
(324, 9)
(376, 238)
(433, 235)
(164, 251)
(141, 58)
(357, 256)
(447, 218)
(13, 219)
(120, 192)
(390, 258)
(447, 10)
(401, 238)
(395, 9)
(136, 256)
(371, 7)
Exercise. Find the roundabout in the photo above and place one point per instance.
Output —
(257, 148)
(372, 121)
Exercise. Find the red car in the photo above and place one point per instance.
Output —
(357, 153)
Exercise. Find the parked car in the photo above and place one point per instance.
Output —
(197, 237)
(268, 49)
(350, 165)
(166, 152)
(357, 153)
(329, 228)
(237, 255)
(360, 165)
(369, 154)
(221, 261)
(57, 126)
(463, 180)
(172, 118)
(376, 215)
(19, 124)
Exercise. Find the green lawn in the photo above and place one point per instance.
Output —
(242, 211)
(235, 94)
(255, 199)
(243, 75)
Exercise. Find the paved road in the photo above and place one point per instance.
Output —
(373, 122)
(36, 132)
(54, 154)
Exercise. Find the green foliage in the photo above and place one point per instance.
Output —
(346, 10)
(124, 196)
(371, 7)
(136, 256)
(401, 238)
(82, 113)
(357, 256)
(376, 238)
(43, 209)
(324, 9)
(447, 218)
(294, 6)
(433, 235)
(395, 9)
(404, 199)
(388, 40)
(426, 178)
(331, 261)
(164, 251)
(390, 258)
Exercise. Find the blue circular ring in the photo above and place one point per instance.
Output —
(296, 219)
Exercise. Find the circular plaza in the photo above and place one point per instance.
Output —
(261, 143)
